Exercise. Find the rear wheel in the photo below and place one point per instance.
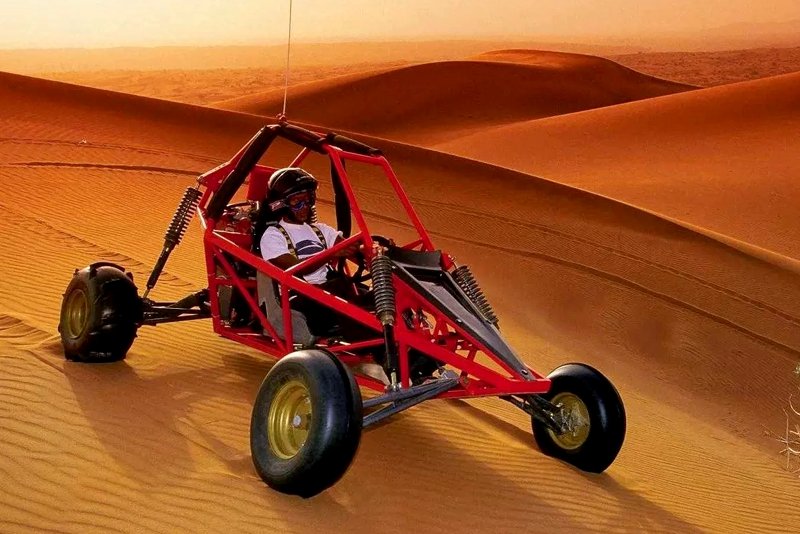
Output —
(592, 418)
(306, 423)
(100, 313)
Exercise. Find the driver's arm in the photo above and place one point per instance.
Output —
(284, 261)
(275, 250)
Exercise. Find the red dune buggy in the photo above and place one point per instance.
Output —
(309, 412)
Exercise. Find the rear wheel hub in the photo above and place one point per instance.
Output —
(77, 313)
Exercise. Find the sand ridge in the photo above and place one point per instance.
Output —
(706, 157)
(431, 102)
(699, 337)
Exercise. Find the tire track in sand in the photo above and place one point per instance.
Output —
(45, 229)
(620, 280)
(109, 166)
(109, 146)
(473, 215)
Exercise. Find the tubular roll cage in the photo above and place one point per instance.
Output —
(445, 339)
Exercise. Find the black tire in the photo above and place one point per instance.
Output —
(589, 396)
(300, 453)
(100, 313)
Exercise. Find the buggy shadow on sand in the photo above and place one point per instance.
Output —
(309, 413)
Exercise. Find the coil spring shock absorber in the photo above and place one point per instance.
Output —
(466, 281)
(383, 289)
(385, 309)
(180, 221)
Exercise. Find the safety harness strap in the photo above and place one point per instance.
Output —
(289, 243)
(320, 236)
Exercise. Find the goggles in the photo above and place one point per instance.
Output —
(299, 201)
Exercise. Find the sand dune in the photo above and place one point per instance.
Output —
(203, 84)
(724, 158)
(699, 337)
(439, 101)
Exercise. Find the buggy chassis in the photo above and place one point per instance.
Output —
(424, 303)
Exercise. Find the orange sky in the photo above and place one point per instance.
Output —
(104, 23)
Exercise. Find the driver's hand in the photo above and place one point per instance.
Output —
(379, 249)
(350, 251)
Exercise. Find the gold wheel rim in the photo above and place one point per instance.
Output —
(575, 417)
(77, 313)
(289, 419)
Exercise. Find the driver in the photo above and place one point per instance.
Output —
(296, 236)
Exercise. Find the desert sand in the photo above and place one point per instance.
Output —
(714, 68)
(213, 74)
(633, 237)
(303, 54)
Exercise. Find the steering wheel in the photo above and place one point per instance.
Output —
(362, 273)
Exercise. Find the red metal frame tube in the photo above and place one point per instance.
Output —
(477, 379)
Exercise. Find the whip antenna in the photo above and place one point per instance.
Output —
(282, 116)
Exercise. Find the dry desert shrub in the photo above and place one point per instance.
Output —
(791, 437)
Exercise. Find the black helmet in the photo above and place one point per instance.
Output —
(286, 182)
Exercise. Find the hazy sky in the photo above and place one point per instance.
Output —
(103, 23)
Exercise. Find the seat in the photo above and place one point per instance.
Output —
(269, 301)
(258, 181)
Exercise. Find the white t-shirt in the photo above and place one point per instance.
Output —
(305, 241)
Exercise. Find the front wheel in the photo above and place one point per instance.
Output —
(306, 423)
(591, 417)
